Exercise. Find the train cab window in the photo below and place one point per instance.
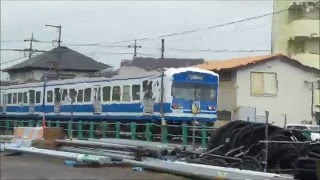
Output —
(31, 96)
(25, 97)
(72, 94)
(106, 93)
(64, 94)
(80, 96)
(14, 98)
(9, 98)
(87, 95)
(136, 92)
(19, 98)
(38, 97)
(126, 93)
(49, 96)
(116, 93)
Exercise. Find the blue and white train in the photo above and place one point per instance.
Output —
(132, 95)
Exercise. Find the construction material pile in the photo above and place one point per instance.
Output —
(242, 145)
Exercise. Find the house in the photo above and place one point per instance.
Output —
(153, 63)
(60, 62)
(274, 83)
(296, 32)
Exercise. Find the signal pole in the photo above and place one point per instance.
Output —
(135, 48)
(59, 29)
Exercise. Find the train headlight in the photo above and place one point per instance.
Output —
(212, 108)
(177, 106)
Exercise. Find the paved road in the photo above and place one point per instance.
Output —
(33, 167)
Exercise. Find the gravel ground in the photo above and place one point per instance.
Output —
(41, 167)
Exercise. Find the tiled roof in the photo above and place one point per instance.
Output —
(67, 59)
(153, 63)
(236, 63)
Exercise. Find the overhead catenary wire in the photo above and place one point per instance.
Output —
(182, 32)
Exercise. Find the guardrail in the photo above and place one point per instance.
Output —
(91, 129)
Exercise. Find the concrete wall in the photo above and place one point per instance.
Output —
(293, 95)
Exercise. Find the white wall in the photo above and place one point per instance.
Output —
(227, 99)
(293, 97)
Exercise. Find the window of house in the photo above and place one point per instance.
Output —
(136, 92)
(19, 97)
(72, 94)
(64, 94)
(14, 98)
(116, 93)
(80, 96)
(9, 98)
(31, 96)
(264, 84)
(49, 96)
(38, 97)
(87, 95)
(25, 97)
(126, 93)
(106, 93)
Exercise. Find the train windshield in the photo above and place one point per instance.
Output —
(192, 91)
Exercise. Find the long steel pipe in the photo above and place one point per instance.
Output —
(113, 156)
(61, 154)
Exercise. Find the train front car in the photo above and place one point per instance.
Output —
(193, 95)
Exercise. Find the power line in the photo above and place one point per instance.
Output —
(13, 60)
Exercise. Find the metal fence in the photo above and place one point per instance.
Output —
(182, 133)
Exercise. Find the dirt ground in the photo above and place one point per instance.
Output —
(41, 167)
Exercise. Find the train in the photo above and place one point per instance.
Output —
(133, 94)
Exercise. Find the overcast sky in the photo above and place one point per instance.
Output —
(106, 22)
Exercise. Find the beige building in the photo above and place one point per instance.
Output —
(295, 32)
(275, 83)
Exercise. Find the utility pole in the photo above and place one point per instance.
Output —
(30, 47)
(162, 48)
(135, 48)
(59, 29)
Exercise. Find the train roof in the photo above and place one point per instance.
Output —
(125, 72)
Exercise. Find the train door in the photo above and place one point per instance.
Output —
(57, 100)
(4, 102)
(148, 100)
(97, 100)
(31, 101)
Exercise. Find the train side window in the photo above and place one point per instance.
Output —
(49, 96)
(25, 97)
(80, 96)
(126, 93)
(87, 95)
(19, 97)
(144, 85)
(97, 93)
(116, 93)
(136, 92)
(14, 98)
(72, 94)
(57, 96)
(31, 96)
(38, 97)
(106, 93)
(64, 94)
(9, 98)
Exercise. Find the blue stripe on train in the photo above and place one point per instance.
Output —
(144, 118)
